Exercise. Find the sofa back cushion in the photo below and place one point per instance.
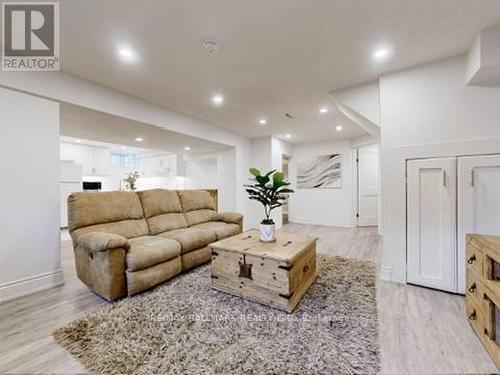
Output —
(118, 212)
(163, 210)
(198, 206)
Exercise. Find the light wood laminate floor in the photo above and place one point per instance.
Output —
(421, 330)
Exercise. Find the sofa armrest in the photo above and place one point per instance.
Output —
(101, 241)
(229, 217)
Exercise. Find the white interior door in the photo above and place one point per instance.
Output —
(478, 203)
(368, 185)
(431, 253)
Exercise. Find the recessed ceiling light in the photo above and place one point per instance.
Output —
(78, 141)
(217, 99)
(187, 148)
(127, 54)
(323, 110)
(139, 139)
(338, 128)
(123, 147)
(262, 121)
(288, 135)
(382, 53)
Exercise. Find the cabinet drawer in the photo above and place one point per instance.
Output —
(474, 258)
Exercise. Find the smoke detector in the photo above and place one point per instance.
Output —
(211, 47)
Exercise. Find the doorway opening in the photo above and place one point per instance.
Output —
(285, 170)
(368, 182)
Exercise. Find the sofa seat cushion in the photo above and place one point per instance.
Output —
(190, 238)
(222, 230)
(148, 251)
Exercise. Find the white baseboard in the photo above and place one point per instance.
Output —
(386, 273)
(330, 223)
(30, 285)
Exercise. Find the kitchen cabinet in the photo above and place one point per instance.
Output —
(158, 166)
(70, 181)
(95, 161)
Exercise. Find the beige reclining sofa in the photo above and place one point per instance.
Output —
(128, 242)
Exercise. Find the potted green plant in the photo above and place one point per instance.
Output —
(130, 180)
(271, 190)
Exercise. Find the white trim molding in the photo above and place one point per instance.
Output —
(30, 285)
(386, 273)
(329, 223)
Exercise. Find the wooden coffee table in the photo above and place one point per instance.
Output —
(276, 274)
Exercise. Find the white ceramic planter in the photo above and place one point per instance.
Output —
(267, 233)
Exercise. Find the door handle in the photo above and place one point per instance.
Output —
(472, 177)
(444, 178)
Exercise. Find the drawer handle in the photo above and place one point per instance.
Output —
(472, 259)
(305, 269)
(472, 288)
(472, 316)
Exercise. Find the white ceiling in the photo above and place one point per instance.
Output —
(276, 56)
(86, 124)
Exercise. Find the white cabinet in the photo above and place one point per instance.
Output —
(446, 199)
(101, 161)
(158, 166)
(95, 161)
(479, 202)
(431, 199)
(70, 181)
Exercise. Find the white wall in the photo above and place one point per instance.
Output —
(427, 111)
(323, 206)
(29, 195)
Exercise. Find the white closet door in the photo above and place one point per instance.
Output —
(368, 186)
(431, 229)
(478, 203)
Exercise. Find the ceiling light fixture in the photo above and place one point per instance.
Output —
(139, 139)
(127, 54)
(217, 99)
(323, 110)
(288, 135)
(263, 122)
(338, 128)
(382, 54)
(187, 148)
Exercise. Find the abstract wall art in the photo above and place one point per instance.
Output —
(321, 172)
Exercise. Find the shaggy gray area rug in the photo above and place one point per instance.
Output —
(184, 326)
